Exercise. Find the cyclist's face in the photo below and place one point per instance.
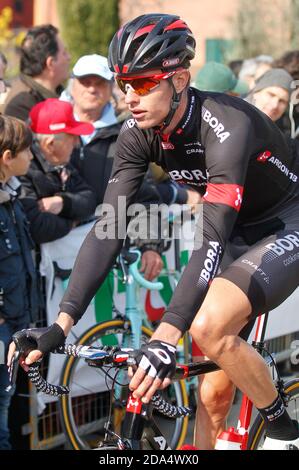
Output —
(150, 110)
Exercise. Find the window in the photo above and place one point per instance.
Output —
(19, 6)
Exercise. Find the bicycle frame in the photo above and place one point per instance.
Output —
(137, 414)
(247, 405)
(128, 263)
(138, 425)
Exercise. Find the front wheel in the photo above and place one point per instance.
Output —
(257, 432)
(85, 410)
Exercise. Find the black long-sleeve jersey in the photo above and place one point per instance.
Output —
(225, 148)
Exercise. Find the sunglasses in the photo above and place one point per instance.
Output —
(142, 85)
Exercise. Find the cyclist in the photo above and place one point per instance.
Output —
(240, 164)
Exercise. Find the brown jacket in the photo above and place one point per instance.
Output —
(24, 94)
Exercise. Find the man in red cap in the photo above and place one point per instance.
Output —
(55, 198)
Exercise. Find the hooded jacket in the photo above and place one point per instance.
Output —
(18, 288)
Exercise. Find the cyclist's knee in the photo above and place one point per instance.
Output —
(216, 393)
(212, 337)
(204, 331)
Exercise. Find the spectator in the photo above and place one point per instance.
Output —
(90, 92)
(290, 62)
(235, 66)
(289, 123)
(3, 67)
(44, 66)
(271, 93)
(55, 198)
(219, 78)
(18, 294)
(253, 68)
(4, 87)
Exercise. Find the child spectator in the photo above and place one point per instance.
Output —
(18, 293)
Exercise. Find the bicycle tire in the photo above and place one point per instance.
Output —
(257, 431)
(96, 334)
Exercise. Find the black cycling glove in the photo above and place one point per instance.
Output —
(157, 358)
(43, 339)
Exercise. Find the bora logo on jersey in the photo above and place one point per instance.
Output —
(214, 123)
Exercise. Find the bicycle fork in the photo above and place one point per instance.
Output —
(239, 437)
(136, 432)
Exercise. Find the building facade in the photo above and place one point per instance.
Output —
(212, 21)
(23, 16)
(208, 19)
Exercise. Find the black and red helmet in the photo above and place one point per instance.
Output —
(153, 41)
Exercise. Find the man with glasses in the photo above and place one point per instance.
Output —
(250, 213)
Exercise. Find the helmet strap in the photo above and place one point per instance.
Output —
(175, 101)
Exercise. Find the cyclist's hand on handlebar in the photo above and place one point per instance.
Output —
(157, 364)
(151, 264)
(34, 342)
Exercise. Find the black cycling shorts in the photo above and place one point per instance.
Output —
(266, 260)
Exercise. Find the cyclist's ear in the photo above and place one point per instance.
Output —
(181, 80)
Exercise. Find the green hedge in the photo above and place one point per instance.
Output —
(87, 26)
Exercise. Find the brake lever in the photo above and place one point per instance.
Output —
(124, 269)
(13, 370)
(131, 360)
